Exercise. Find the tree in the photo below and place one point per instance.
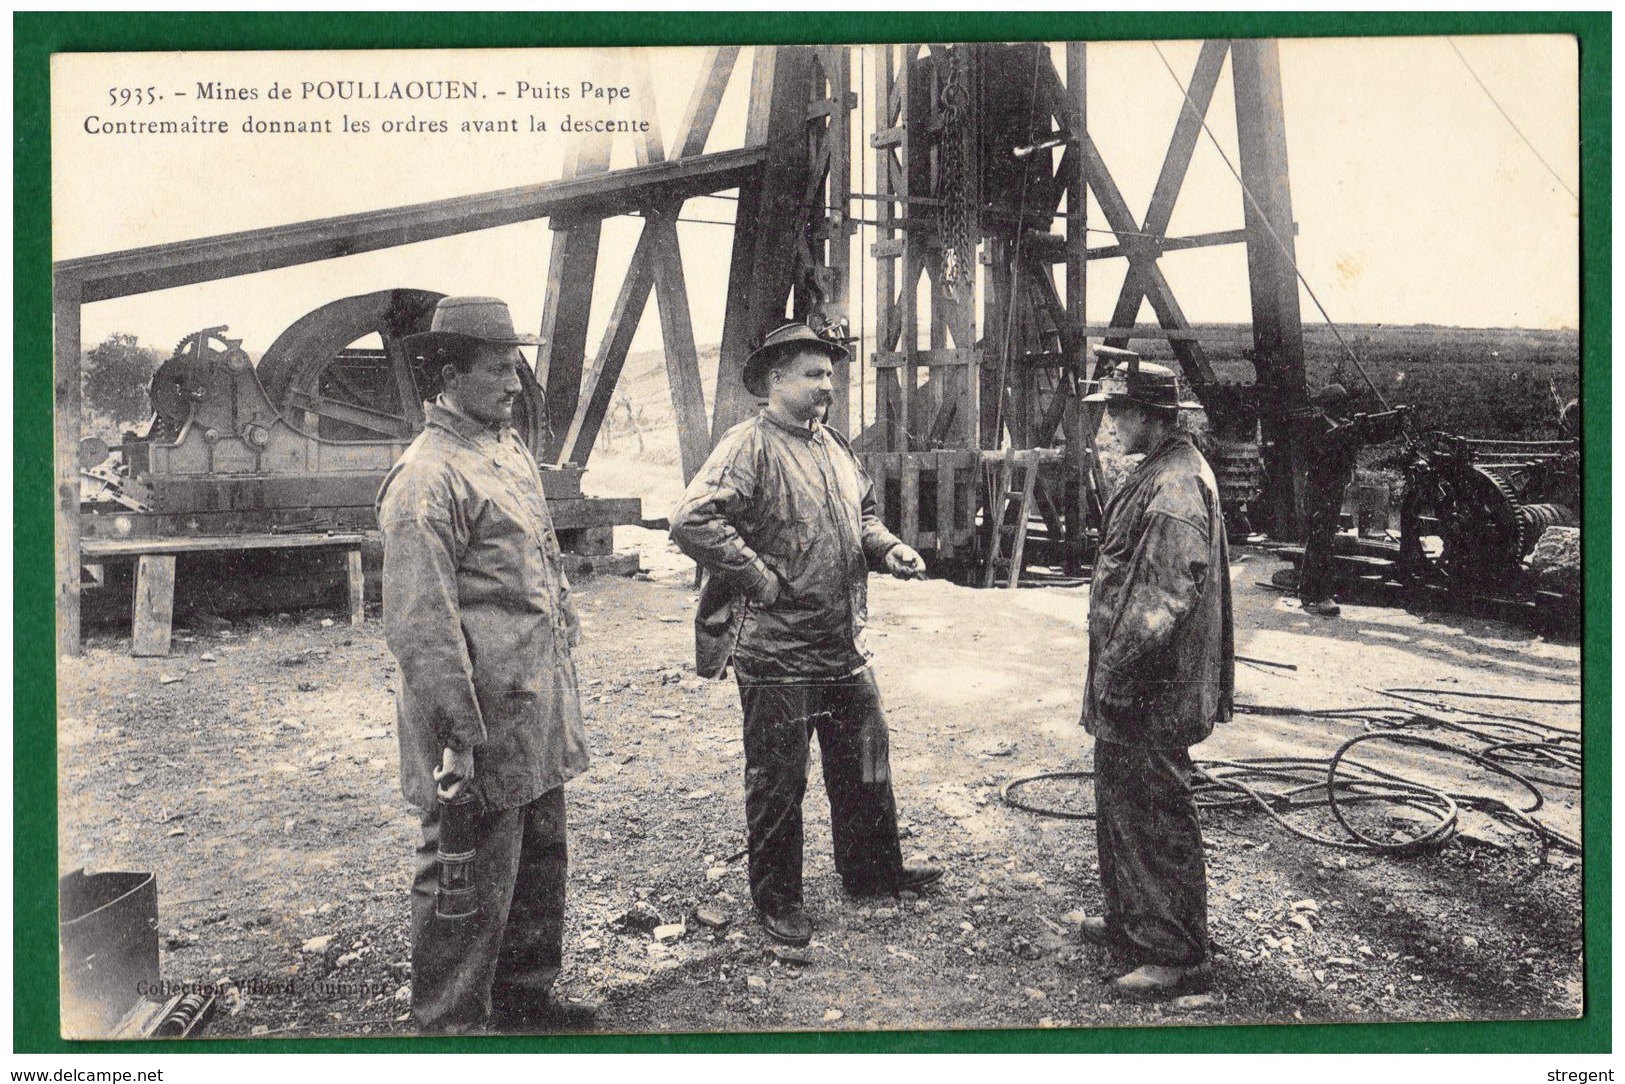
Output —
(117, 374)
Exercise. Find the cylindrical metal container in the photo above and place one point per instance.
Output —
(455, 859)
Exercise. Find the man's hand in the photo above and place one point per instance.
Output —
(775, 587)
(904, 563)
(454, 774)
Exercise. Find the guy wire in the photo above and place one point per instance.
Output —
(1264, 221)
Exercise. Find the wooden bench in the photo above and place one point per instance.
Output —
(155, 573)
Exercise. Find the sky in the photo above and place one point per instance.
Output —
(1415, 198)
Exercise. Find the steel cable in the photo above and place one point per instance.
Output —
(1284, 785)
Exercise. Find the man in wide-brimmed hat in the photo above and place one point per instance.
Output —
(1161, 671)
(782, 517)
(477, 612)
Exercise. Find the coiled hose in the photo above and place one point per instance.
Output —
(1511, 747)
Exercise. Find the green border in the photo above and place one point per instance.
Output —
(37, 35)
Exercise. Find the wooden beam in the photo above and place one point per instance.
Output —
(567, 306)
(65, 302)
(762, 270)
(571, 281)
(1076, 118)
(1143, 331)
(1271, 272)
(763, 70)
(701, 112)
(162, 267)
(599, 384)
(107, 548)
(1192, 113)
(1118, 216)
(682, 359)
(1152, 247)
(647, 146)
(836, 61)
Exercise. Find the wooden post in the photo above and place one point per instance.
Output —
(599, 382)
(356, 580)
(1271, 271)
(765, 231)
(889, 141)
(677, 332)
(1170, 180)
(66, 301)
(154, 604)
(656, 263)
(1192, 359)
(1075, 467)
(703, 103)
(831, 225)
(567, 305)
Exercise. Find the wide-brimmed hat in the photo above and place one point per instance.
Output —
(1142, 382)
(1331, 396)
(481, 319)
(779, 342)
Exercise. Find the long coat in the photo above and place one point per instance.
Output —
(477, 612)
(1161, 666)
(792, 502)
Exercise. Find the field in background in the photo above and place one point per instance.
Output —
(1478, 382)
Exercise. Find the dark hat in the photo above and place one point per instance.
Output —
(1136, 381)
(780, 342)
(1332, 395)
(482, 319)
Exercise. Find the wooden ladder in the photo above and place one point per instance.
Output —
(1003, 496)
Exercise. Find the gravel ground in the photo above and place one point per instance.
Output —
(255, 772)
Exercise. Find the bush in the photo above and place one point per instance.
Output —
(115, 376)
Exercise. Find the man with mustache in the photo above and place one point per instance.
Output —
(782, 517)
(477, 612)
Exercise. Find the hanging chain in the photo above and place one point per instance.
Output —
(958, 249)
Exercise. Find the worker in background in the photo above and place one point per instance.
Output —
(782, 518)
(1161, 672)
(477, 612)
(1332, 448)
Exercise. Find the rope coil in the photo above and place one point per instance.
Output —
(1509, 748)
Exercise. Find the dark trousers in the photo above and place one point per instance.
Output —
(1151, 865)
(779, 723)
(511, 951)
(1317, 581)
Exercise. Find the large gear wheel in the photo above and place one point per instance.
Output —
(1460, 529)
(314, 374)
(183, 380)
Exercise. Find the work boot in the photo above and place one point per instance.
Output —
(549, 1015)
(917, 876)
(1097, 931)
(911, 878)
(1324, 608)
(790, 925)
(1159, 982)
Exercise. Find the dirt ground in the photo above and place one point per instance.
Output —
(255, 772)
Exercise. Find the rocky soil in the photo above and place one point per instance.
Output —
(255, 772)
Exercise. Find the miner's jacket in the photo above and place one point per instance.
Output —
(792, 502)
(1161, 667)
(477, 612)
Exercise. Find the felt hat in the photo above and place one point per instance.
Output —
(1136, 381)
(780, 342)
(480, 319)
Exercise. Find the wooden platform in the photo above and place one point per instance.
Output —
(154, 607)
